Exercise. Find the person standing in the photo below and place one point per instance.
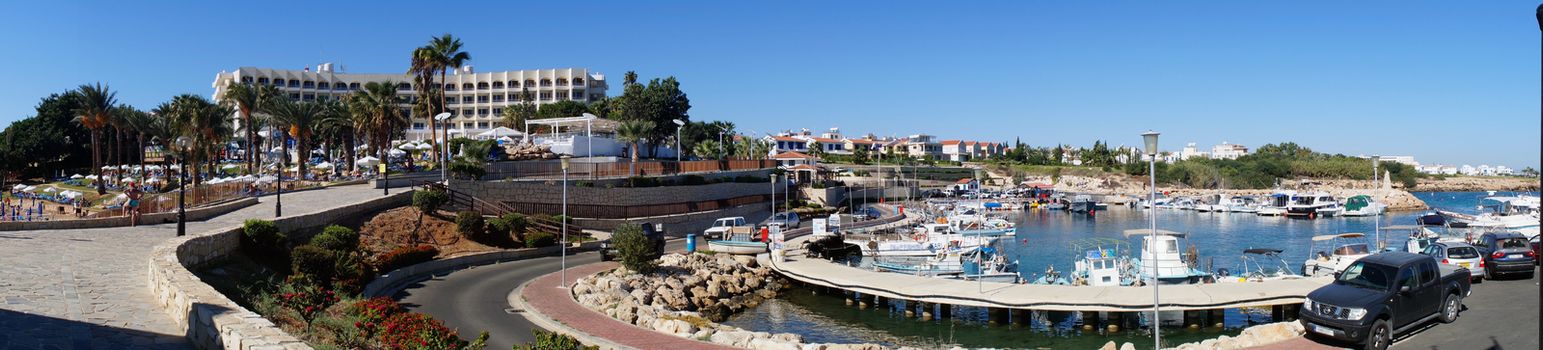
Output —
(133, 206)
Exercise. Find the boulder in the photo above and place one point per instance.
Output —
(1127, 346)
(732, 338)
(1109, 346)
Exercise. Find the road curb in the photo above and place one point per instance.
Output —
(517, 302)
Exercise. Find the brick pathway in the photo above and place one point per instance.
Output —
(83, 289)
(557, 304)
(1298, 343)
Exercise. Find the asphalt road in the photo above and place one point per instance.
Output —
(1500, 314)
(476, 299)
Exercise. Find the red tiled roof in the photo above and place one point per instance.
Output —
(785, 138)
(792, 155)
(804, 167)
(862, 141)
(950, 142)
(964, 181)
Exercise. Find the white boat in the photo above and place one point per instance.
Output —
(928, 240)
(1183, 203)
(1242, 205)
(1104, 262)
(1275, 204)
(1344, 248)
(1362, 205)
(1160, 252)
(738, 242)
(979, 225)
(1313, 205)
(1259, 265)
(1518, 213)
(948, 262)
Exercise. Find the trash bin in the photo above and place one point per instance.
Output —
(690, 242)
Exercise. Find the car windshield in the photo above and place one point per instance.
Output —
(1363, 275)
(1462, 253)
(1516, 242)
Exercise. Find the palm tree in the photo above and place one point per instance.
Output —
(247, 99)
(430, 100)
(633, 131)
(516, 115)
(375, 109)
(299, 118)
(442, 53)
(205, 124)
(96, 105)
(138, 123)
(336, 126)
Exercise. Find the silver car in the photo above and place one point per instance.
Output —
(1458, 254)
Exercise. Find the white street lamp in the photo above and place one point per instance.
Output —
(564, 282)
(678, 126)
(444, 165)
(1151, 142)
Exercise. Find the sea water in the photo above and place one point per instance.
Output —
(1044, 239)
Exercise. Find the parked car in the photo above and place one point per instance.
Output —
(1535, 252)
(788, 220)
(1382, 295)
(722, 226)
(1505, 253)
(1458, 254)
(654, 234)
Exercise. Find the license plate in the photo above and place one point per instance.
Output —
(1323, 330)
(1464, 265)
(1514, 256)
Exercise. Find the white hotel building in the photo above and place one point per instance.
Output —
(476, 99)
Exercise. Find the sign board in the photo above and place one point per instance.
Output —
(776, 237)
(820, 227)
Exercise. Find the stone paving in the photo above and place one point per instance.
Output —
(85, 289)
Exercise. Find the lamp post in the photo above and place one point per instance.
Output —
(182, 184)
(678, 126)
(1377, 217)
(278, 196)
(444, 164)
(720, 145)
(1151, 142)
(773, 183)
(564, 282)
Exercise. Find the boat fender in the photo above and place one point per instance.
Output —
(919, 237)
(1312, 215)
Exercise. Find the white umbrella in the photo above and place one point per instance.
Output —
(324, 165)
(18, 187)
(230, 166)
(408, 146)
(29, 189)
(395, 152)
(267, 179)
(176, 167)
(108, 167)
(278, 149)
(425, 147)
(77, 176)
(153, 180)
(50, 190)
(215, 181)
(247, 178)
(90, 177)
(293, 168)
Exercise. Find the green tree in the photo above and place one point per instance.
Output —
(516, 115)
(561, 109)
(817, 149)
(336, 127)
(299, 119)
(633, 249)
(441, 53)
(374, 109)
(94, 108)
(633, 132)
(248, 99)
(860, 153)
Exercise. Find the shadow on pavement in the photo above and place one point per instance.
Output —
(20, 330)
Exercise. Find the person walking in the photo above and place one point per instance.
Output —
(134, 195)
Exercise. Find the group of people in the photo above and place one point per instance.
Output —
(21, 206)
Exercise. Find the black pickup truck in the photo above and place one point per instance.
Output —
(650, 231)
(1382, 295)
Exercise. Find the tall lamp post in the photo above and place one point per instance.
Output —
(720, 145)
(278, 196)
(1151, 142)
(678, 126)
(1377, 222)
(444, 164)
(182, 190)
(564, 282)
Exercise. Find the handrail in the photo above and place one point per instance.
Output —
(472, 203)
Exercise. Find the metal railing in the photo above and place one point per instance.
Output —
(584, 170)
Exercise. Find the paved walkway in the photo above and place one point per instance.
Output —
(557, 304)
(84, 289)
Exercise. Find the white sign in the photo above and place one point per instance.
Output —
(819, 227)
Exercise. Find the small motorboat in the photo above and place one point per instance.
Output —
(739, 242)
(1431, 219)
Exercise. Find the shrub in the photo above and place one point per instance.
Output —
(471, 226)
(411, 330)
(372, 314)
(346, 235)
(313, 262)
(540, 239)
(633, 250)
(429, 201)
(467, 169)
(552, 341)
(498, 226)
(404, 256)
(518, 223)
(693, 180)
(306, 300)
(350, 273)
(262, 238)
(329, 242)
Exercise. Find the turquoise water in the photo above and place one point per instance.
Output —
(1043, 239)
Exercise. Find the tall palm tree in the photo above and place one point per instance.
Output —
(299, 119)
(633, 131)
(96, 104)
(375, 109)
(247, 99)
(138, 122)
(442, 53)
(336, 127)
(430, 97)
(205, 124)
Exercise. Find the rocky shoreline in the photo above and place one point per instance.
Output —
(689, 294)
(1250, 337)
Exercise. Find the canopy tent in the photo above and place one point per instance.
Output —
(500, 132)
(77, 176)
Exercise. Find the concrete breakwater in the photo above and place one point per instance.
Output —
(689, 294)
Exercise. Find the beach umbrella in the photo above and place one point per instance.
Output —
(230, 166)
(18, 187)
(153, 180)
(50, 190)
(408, 146)
(29, 189)
(395, 152)
(425, 147)
(77, 176)
(90, 177)
(216, 181)
(247, 178)
(176, 167)
(324, 165)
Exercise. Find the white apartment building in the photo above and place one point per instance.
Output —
(1408, 160)
(1228, 151)
(1468, 170)
(1504, 170)
(476, 99)
(1190, 151)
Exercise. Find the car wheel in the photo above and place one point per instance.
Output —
(1450, 308)
(1379, 336)
(1488, 273)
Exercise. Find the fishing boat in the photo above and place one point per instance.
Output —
(1057, 202)
(738, 242)
(1183, 203)
(1342, 249)
(1104, 262)
(1259, 265)
(1211, 204)
(971, 224)
(1515, 213)
(1275, 204)
(1161, 202)
(988, 265)
(1362, 205)
(948, 262)
(1160, 253)
(1082, 204)
(1430, 218)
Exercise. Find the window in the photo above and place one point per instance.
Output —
(1408, 278)
(323, 86)
(310, 84)
(1462, 252)
(1427, 273)
(323, 98)
(1514, 242)
(546, 95)
(404, 87)
(562, 96)
(465, 112)
(578, 81)
(514, 83)
(562, 82)
(294, 96)
(451, 101)
(498, 111)
(353, 86)
(482, 112)
(498, 98)
(262, 80)
(529, 82)
(482, 99)
(247, 80)
(340, 86)
(578, 94)
(278, 82)
(546, 82)
(466, 86)
(482, 125)
(466, 99)
(514, 97)
(294, 83)
(418, 126)
(466, 125)
(498, 85)
(482, 86)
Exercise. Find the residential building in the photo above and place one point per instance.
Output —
(1468, 170)
(922, 146)
(1485, 170)
(1228, 151)
(1502, 170)
(784, 143)
(963, 151)
(1190, 151)
(475, 99)
(790, 159)
(965, 185)
(1409, 160)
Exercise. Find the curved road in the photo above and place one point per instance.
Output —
(476, 299)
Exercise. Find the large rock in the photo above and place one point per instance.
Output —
(1109, 346)
(732, 338)
(1128, 346)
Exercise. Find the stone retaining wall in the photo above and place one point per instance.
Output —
(550, 192)
(208, 318)
(195, 214)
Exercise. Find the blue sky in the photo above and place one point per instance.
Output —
(1450, 82)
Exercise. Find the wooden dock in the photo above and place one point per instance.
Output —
(1192, 297)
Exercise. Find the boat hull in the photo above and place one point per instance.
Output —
(737, 248)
